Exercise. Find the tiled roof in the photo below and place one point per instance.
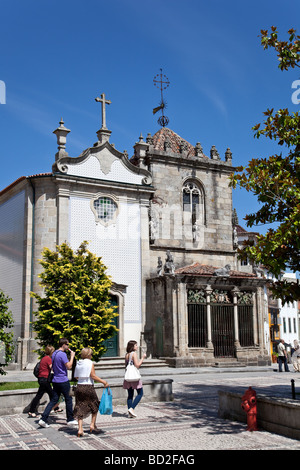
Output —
(14, 183)
(198, 269)
(165, 134)
(11, 185)
(241, 230)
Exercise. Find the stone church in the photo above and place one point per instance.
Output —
(162, 222)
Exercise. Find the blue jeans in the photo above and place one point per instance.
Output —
(282, 360)
(137, 399)
(44, 387)
(58, 389)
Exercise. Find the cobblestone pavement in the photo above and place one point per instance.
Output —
(189, 423)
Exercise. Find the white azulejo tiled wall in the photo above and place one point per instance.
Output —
(118, 244)
(93, 167)
(11, 255)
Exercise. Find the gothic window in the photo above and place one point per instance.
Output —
(105, 209)
(193, 202)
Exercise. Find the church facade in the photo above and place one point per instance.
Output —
(162, 223)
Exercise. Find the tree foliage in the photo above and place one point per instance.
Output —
(275, 181)
(6, 337)
(76, 300)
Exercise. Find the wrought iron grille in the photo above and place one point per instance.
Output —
(222, 320)
(222, 324)
(245, 319)
(197, 326)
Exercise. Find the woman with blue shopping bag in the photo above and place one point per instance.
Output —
(132, 379)
(86, 400)
(105, 407)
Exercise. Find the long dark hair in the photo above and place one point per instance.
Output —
(130, 346)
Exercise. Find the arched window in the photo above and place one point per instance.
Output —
(193, 201)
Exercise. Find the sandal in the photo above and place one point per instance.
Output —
(32, 415)
(95, 430)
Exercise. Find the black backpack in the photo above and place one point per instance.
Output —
(36, 369)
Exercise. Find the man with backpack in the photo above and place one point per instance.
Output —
(61, 385)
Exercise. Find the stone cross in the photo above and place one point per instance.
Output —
(103, 101)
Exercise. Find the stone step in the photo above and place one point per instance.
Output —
(228, 363)
(109, 363)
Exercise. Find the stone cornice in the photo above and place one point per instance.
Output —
(159, 156)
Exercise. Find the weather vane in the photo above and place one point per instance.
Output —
(162, 82)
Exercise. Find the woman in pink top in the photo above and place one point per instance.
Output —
(131, 349)
(44, 383)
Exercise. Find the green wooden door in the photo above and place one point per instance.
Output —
(112, 343)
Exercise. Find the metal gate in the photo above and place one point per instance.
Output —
(197, 326)
(222, 329)
(245, 320)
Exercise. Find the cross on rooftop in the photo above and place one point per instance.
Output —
(103, 101)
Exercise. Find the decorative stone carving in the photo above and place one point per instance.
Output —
(196, 296)
(169, 267)
(214, 154)
(183, 146)
(167, 145)
(223, 272)
(258, 271)
(195, 232)
(228, 155)
(198, 150)
(235, 238)
(153, 223)
(245, 298)
(159, 266)
(220, 297)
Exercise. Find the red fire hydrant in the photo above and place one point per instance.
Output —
(250, 407)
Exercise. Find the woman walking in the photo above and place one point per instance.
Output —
(44, 383)
(86, 400)
(131, 358)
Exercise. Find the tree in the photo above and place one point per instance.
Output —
(76, 300)
(6, 337)
(276, 183)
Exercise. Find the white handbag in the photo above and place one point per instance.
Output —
(132, 374)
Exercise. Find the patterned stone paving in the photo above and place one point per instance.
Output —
(190, 422)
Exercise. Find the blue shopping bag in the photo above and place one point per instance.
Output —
(105, 406)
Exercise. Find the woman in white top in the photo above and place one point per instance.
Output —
(86, 400)
(296, 356)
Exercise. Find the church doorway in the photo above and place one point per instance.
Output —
(112, 344)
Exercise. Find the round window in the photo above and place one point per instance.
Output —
(105, 208)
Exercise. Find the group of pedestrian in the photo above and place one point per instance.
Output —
(56, 363)
(283, 357)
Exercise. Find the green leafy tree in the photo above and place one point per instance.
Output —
(275, 181)
(76, 300)
(6, 338)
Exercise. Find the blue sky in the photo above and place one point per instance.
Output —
(57, 56)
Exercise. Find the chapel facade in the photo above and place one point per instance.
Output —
(162, 223)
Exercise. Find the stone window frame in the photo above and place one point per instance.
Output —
(199, 187)
(94, 210)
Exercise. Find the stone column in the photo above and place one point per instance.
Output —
(183, 320)
(236, 320)
(209, 343)
(256, 300)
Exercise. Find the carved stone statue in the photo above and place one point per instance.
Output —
(169, 264)
(223, 271)
(159, 266)
(235, 238)
(258, 271)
